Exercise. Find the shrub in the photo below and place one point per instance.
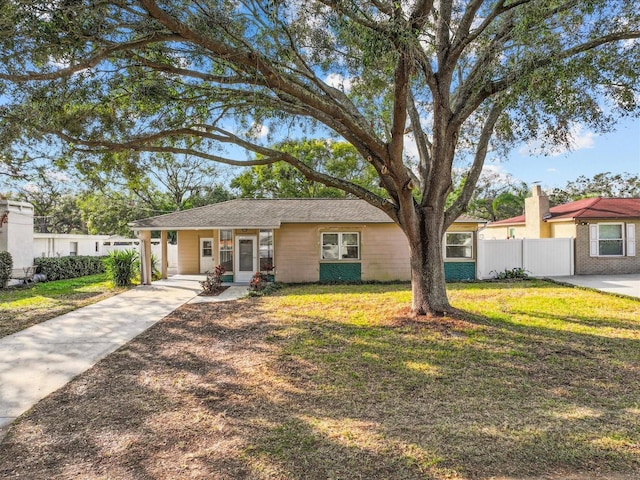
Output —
(156, 274)
(62, 268)
(212, 285)
(267, 289)
(6, 267)
(122, 266)
(258, 281)
(516, 273)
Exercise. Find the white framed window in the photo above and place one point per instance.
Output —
(458, 245)
(226, 249)
(73, 249)
(266, 250)
(340, 246)
(612, 240)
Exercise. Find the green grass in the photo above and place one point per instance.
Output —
(539, 378)
(22, 307)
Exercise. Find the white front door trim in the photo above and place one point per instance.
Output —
(244, 275)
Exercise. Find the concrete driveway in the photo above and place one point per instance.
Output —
(621, 284)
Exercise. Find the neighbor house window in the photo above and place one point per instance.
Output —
(73, 249)
(459, 245)
(340, 246)
(607, 239)
(226, 249)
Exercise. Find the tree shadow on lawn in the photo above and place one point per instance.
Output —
(225, 391)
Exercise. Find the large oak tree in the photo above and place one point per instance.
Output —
(108, 81)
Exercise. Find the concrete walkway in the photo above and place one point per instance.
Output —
(620, 284)
(39, 360)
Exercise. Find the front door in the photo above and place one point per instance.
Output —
(206, 255)
(246, 258)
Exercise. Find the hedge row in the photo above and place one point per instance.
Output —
(6, 266)
(61, 268)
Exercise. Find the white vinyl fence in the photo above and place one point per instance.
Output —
(543, 257)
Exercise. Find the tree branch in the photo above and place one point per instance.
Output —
(460, 204)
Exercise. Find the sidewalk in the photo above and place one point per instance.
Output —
(39, 360)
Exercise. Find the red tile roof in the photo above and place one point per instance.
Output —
(588, 208)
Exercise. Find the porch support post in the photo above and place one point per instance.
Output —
(145, 257)
(165, 259)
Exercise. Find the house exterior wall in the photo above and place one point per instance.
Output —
(384, 253)
(563, 229)
(588, 265)
(503, 232)
(59, 245)
(297, 251)
(188, 251)
(16, 235)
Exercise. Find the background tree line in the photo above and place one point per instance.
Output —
(111, 199)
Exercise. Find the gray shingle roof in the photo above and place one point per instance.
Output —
(269, 213)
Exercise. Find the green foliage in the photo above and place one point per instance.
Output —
(61, 268)
(624, 185)
(281, 180)
(516, 273)
(109, 212)
(122, 266)
(263, 287)
(156, 274)
(6, 267)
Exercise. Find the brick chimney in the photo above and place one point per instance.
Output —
(535, 208)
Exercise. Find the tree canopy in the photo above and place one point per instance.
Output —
(107, 83)
(605, 184)
(281, 180)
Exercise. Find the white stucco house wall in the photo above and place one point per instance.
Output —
(16, 233)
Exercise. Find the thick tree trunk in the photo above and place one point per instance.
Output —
(427, 271)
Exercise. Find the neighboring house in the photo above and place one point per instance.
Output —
(308, 240)
(67, 244)
(604, 230)
(16, 232)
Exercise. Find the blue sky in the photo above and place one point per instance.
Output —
(616, 152)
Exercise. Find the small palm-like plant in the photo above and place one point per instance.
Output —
(122, 266)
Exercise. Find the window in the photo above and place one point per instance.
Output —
(207, 248)
(459, 245)
(607, 239)
(266, 250)
(73, 249)
(97, 247)
(226, 249)
(340, 246)
(610, 239)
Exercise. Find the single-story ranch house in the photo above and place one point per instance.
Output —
(308, 240)
(604, 230)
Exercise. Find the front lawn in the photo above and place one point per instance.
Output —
(326, 382)
(22, 307)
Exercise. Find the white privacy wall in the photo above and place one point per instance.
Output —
(543, 257)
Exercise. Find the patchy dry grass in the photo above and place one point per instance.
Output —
(22, 307)
(328, 382)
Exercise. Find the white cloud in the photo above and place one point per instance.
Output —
(338, 81)
(258, 131)
(579, 139)
(552, 170)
